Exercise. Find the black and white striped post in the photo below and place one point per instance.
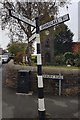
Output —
(41, 105)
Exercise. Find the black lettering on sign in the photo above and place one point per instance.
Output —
(53, 76)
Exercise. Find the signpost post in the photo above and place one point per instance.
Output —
(41, 105)
(59, 87)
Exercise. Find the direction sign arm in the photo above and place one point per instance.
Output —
(31, 41)
(32, 37)
(33, 29)
(12, 15)
(55, 22)
(21, 18)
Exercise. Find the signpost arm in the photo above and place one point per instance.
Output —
(21, 18)
(41, 106)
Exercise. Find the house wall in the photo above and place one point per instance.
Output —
(76, 47)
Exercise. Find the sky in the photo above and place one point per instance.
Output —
(72, 23)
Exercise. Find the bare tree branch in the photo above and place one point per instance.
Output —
(22, 27)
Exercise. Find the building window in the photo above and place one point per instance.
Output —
(47, 58)
(47, 43)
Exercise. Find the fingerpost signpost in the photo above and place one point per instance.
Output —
(41, 105)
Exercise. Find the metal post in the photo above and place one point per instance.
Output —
(41, 106)
(59, 86)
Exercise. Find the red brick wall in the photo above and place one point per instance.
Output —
(76, 47)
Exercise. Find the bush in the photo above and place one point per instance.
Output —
(19, 57)
(68, 55)
(77, 60)
(69, 58)
(59, 60)
(34, 58)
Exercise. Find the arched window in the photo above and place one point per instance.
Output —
(47, 58)
(47, 43)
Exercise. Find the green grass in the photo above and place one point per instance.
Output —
(47, 66)
(66, 67)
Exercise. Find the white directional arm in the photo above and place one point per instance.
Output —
(22, 18)
(55, 22)
(32, 37)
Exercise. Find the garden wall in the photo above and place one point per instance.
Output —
(70, 84)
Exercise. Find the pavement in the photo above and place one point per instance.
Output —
(26, 106)
(23, 106)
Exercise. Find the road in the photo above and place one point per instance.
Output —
(23, 106)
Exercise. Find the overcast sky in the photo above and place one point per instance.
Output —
(72, 23)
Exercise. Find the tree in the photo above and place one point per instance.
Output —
(19, 29)
(63, 38)
(18, 49)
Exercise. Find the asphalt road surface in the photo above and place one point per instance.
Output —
(23, 106)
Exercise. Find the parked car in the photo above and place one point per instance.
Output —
(4, 58)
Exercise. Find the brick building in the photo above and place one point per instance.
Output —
(76, 47)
